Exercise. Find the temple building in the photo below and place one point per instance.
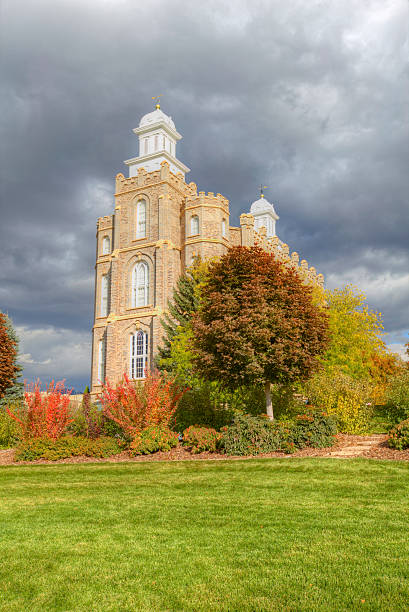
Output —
(160, 223)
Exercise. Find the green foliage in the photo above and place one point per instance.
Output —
(250, 435)
(11, 388)
(208, 404)
(201, 439)
(342, 396)
(314, 428)
(355, 333)
(153, 439)
(67, 446)
(87, 419)
(399, 436)
(397, 397)
(113, 430)
(9, 430)
(174, 355)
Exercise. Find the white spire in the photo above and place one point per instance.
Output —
(157, 143)
(264, 215)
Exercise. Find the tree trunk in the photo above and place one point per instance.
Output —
(269, 405)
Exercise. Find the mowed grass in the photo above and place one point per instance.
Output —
(265, 534)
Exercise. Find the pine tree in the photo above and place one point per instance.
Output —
(11, 389)
(182, 306)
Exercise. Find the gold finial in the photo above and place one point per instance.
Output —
(261, 190)
(157, 101)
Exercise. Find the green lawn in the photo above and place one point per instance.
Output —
(266, 534)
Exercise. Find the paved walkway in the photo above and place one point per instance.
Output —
(358, 448)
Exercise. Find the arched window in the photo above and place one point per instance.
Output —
(141, 219)
(140, 285)
(104, 295)
(224, 228)
(101, 361)
(138, 355)
(106, 245)
(194, 225)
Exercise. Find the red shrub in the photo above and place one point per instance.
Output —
(135, 405)
(45, 415)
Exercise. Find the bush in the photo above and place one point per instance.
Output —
(344, 397)
(250, 435)
(152, 439)
(136, 405)
(399, 436)
(201, 439)
(397, 397)
(9, 430)
(204, 407)
(313, 428)
(67, 446)
(45, 414)
(87, 419)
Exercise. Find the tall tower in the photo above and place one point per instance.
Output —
(157, 143)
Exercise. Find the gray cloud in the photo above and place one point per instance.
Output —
(307, 98)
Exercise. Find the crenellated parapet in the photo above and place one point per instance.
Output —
(145, 179)
(280, 250)
(104, 223)
(203, 199)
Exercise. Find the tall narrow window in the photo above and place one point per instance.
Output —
(224, 228)
(106, 245)
(146, 145)
(101, 361)
(141, 219)
(138, 355)
(156, 142)
(163, 143)
(104, 295)
(194, 225)
(140, 285)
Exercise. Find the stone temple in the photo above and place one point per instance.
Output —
(160, 223)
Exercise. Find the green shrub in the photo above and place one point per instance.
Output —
(113, 430)
(67, 446)
(313, 428)
(399, 436)
(9, 430)
(397, 397)
(344, 397)
(202, 407)
(152, 439)
(250, 435)
(200, 439)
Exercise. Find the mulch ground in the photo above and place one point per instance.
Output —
(379, 450)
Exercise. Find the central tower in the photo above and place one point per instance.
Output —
(157, 143)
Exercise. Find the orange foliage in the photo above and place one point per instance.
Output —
(45, 415)
(135, 405)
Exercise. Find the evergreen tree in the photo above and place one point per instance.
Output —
(184, 303)
(11, 389)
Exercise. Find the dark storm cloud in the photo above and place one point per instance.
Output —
(304, 97)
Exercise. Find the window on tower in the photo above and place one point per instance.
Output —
(106, 245)
(224, 228)
(194, 225)
(141, 219)
(138, 355)
(101, 361)
(104, 295)
(140, 285)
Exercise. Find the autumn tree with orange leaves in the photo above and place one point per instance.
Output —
(258, 323)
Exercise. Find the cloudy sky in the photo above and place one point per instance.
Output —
(308, 98)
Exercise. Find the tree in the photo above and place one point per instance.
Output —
(258, 323)
(11, 389)
(174, 354)
(356, 333)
